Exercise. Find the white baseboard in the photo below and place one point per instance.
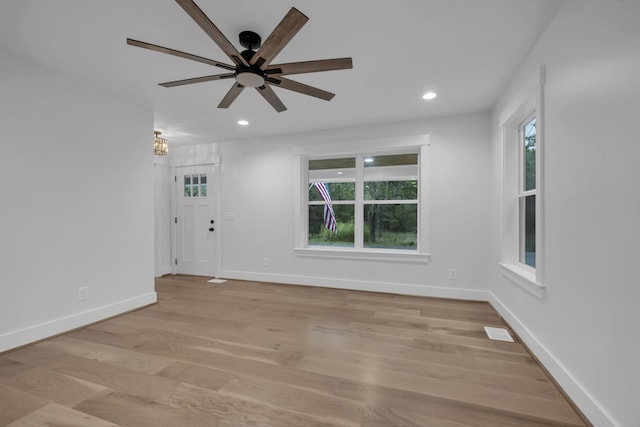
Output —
(360, 285)
(571, 386)
(44, 330)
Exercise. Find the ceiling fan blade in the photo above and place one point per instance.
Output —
(278, 39)
(231, 95)
(174, 52)
(212, 31)
(310, 66)
(268, 94)
(197, 80)
(301, 88)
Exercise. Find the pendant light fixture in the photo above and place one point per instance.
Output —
(160, 145)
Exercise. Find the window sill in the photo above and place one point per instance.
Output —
(522, 277)
(364, 254)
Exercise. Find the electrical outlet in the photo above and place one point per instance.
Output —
(265, 261)
(83, 293)
(453, 274)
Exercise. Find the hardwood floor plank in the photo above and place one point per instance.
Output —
(52, 386)
(311, 402)
(534, 407)
(57, 415)
(124, 358)
(15, 404)
(200, 376)
(240, 412)
(256, 354)
(9, 368)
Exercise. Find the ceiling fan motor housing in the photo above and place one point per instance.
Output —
(250, 40)
(251, 76)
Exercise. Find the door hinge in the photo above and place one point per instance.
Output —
(175, 178)
(175, 221)
(176, 261)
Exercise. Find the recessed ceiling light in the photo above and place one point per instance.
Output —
(339, 173)
(429, 95)
(243, 122)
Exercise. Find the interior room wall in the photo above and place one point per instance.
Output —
(585, 326)
(257, 203)
(162, 215)
(76, 182)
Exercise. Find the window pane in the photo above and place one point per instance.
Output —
(391, 226)
(319, 234)
(391, 160)
(391, 190)
(332, 170)
(345, 163)
(203, 179)
(332, 191)
(195, 179)
(528, 230)
(529, 157)
(187, 186)
(203, 190)
(397, 167)
(194, 191)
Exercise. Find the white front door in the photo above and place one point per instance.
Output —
(195, 227)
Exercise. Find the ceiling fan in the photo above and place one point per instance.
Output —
(251, 67)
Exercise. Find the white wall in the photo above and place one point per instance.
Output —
(162, 213)
(257, 187)
(585, 327)
(76, 190)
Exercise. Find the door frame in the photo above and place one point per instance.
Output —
(214, 162)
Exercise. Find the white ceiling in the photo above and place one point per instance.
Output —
(465, 50)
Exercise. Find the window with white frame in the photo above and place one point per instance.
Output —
(368, 203)
(364, 201)
(523, 238)
(527, 192)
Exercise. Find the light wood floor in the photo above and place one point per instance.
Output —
(255, 354)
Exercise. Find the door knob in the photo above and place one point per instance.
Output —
(212, 221)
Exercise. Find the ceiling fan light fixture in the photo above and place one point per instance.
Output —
(429, 95)
(243, 122)
(160, 145)
(250, 78)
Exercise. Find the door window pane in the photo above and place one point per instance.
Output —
(195, 185)
(203, 185)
